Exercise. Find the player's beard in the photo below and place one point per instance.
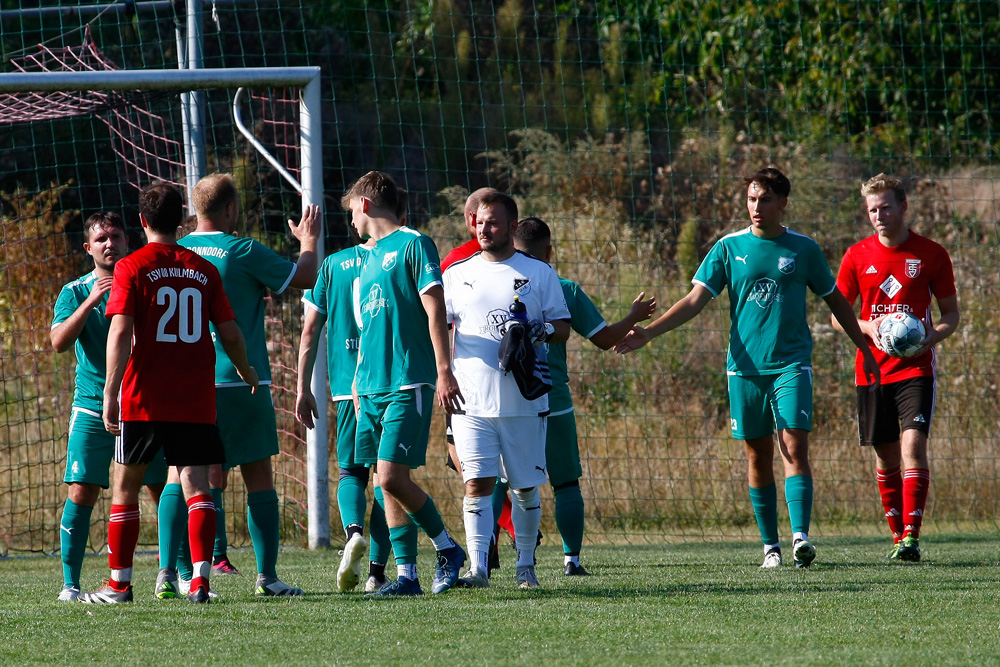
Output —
(496, 245)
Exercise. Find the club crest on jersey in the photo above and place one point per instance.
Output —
(786, 265)
(375, 303)
(912, 268)
(494, 323)
(891, 286)
(764, 293)
(389, 260)
(522, 286)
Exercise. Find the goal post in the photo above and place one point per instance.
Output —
(307, 80)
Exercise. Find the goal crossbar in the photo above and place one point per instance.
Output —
(307, 79)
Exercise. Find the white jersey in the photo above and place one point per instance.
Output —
(477, 295)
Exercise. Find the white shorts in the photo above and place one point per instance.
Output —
(509, 447)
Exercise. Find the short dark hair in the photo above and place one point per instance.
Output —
(162, 205)
(491, 199)
(103, 219)
(375, 186)
(534, 236)
(771, 179)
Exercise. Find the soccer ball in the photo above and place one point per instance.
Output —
(900, 334)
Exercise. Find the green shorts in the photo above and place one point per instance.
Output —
(90, 452)
(246, 424)
(562, 450)
(758, 403)
(395, 427)
(347, 432)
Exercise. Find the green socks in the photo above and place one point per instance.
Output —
(221, 545)
(171, 514)
(378, 531)
(569, 517)
(264, 523)
(799, 496)
(428, 519)
(765, 509)
(351, 499)
(74, 532)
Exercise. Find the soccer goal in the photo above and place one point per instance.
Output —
(38, 258)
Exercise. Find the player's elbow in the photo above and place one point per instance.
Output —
(59, 342)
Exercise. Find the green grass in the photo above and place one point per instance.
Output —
(703, 603)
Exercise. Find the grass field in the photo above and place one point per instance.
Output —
(703, 603)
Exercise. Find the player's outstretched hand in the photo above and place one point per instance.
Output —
(310, 226)
(635, 339)
(305, 409)
(449, 395)
(250, 377)
(111, 412)
(642, 310)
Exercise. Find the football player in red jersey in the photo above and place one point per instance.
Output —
(897, 270)
(160, 385)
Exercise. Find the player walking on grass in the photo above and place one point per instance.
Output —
(79, 323)
(767, 269)
(245, 417)
(331, 302)
(896, 270)
(499, 432)
(562, 450)
(162, 300)
(402, 355)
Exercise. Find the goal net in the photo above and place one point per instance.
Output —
(120, 136)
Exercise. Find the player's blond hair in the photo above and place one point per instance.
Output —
(213, 194)
(883, 183)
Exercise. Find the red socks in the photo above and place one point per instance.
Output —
(916, 482)
(123, 535)
(201, 534)
(890, 487)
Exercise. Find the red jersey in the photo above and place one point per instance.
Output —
(464, 251)
(889, 280)
(173, 294)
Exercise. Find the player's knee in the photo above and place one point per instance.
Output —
(84, 495)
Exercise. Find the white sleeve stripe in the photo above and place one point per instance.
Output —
(602, 325)
(427, 287)
(715, 294)
(295, 267)
(832, 290)
(309, 304)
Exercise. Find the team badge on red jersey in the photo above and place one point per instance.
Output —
(912, 268)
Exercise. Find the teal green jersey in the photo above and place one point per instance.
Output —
(91, 346)
(586, 320)
(767, 281)
(333, 298)
(248, 269)
(395, 350)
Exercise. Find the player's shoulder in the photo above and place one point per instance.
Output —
(83, 281)
(924, 244)
(734, 239)
(462, 264)
(532, 263)
(799, 238)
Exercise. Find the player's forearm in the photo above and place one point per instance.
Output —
(437, 324)
(308, 347)
(844, 314)
(680, 313)
(947, 324)
(561, 331)
(306, 267)
(118, 351)
(235, 346)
